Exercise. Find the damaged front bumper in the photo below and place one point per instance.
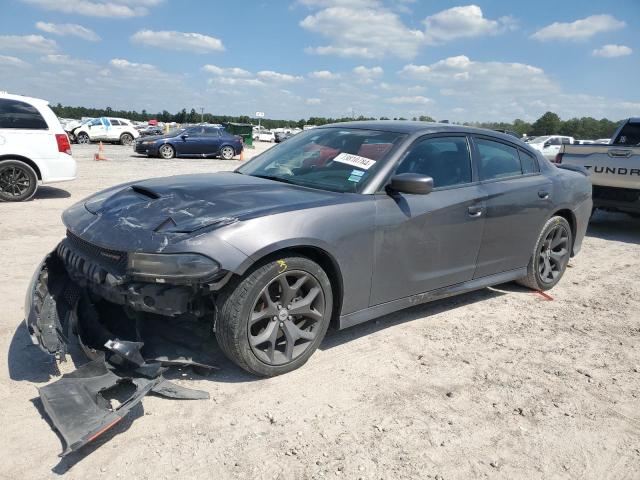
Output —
(123, 328)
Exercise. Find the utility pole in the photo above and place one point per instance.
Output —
(201, 114)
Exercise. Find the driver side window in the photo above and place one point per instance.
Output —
(445, 159)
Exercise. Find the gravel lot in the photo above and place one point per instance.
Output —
(498, 383)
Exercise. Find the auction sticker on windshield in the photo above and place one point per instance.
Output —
(355, 160)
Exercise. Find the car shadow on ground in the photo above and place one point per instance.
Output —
(46, 192)
(615, 226)
(27, 362)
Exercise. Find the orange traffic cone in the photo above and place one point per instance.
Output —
(100, 154)
(242, 155)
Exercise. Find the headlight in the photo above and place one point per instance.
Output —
(171, 266)
(147, 142)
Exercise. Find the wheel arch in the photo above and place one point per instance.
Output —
(26, 160)
(314, 252)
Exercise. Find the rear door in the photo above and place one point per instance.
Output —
(425, 242)
(517, 206)
(24, 131)
(210, 141)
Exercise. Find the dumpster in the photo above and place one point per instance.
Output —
(244, 130)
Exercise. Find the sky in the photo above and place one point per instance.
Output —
(484, 61)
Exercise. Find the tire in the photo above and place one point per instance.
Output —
(83, 138)
(166, 151)
(227, 152)
(251, 330)
(550, 256)
(18, 181)
(126, 139)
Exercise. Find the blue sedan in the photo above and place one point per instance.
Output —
(200, 141)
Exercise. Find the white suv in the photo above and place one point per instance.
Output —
(33, 147)
(106, 129)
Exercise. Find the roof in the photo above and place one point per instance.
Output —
(411, 127)
(22, 98)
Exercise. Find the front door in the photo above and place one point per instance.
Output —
(518, 205)
(426, 242)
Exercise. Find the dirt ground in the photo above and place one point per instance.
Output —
(499, 383)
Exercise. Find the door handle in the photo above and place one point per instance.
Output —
(543, 194)
(619, 153)
(475, 211)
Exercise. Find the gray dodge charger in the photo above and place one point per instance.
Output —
(335, 226)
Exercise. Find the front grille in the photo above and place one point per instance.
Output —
(112, 260)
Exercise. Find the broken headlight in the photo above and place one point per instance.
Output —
(162, 267)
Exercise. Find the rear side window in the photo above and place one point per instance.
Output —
(497, 160)
(630, 135)
(115, 122)
(16, 114)
(445, 159)
(528, 162)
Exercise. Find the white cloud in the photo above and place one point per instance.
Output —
(105, 9)
(72, 29)
(172, 40)
(9, 61)
(363, 30)
(250, 82)
(27, 43)
(278, 77)
(56, 59)
(368, 29)
(611, 51)
(580, 29)
(226, 71)
(463, 22)
(417, 100)
(363, 71)
(313, 101)
(323, 75)
(122, 64)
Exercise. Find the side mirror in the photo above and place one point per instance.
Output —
(411, 183)
(546, 144)
(184, 136)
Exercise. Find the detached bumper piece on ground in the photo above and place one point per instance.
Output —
(128, 357)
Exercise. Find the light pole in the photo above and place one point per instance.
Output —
(201, 114)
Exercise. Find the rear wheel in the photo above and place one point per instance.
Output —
(18, 181)
(550, 255)
(167, 151)
(83, 138)
(126, 139)
(227, 153)
(273, 319)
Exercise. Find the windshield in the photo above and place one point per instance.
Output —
(337, 159)
(540, 139)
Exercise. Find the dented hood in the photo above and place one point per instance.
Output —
(171, 207)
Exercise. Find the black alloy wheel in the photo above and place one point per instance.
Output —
(272, 319)
(18, 181)
(554, 254)
(550, 256)
(285, 317)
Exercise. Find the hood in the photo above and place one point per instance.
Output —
(164, 210)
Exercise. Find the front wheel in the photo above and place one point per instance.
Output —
(126, 139)
(167, 151)
(272, 320)
(550, 255)
(83, 138)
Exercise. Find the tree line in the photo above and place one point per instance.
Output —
(548, 124)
